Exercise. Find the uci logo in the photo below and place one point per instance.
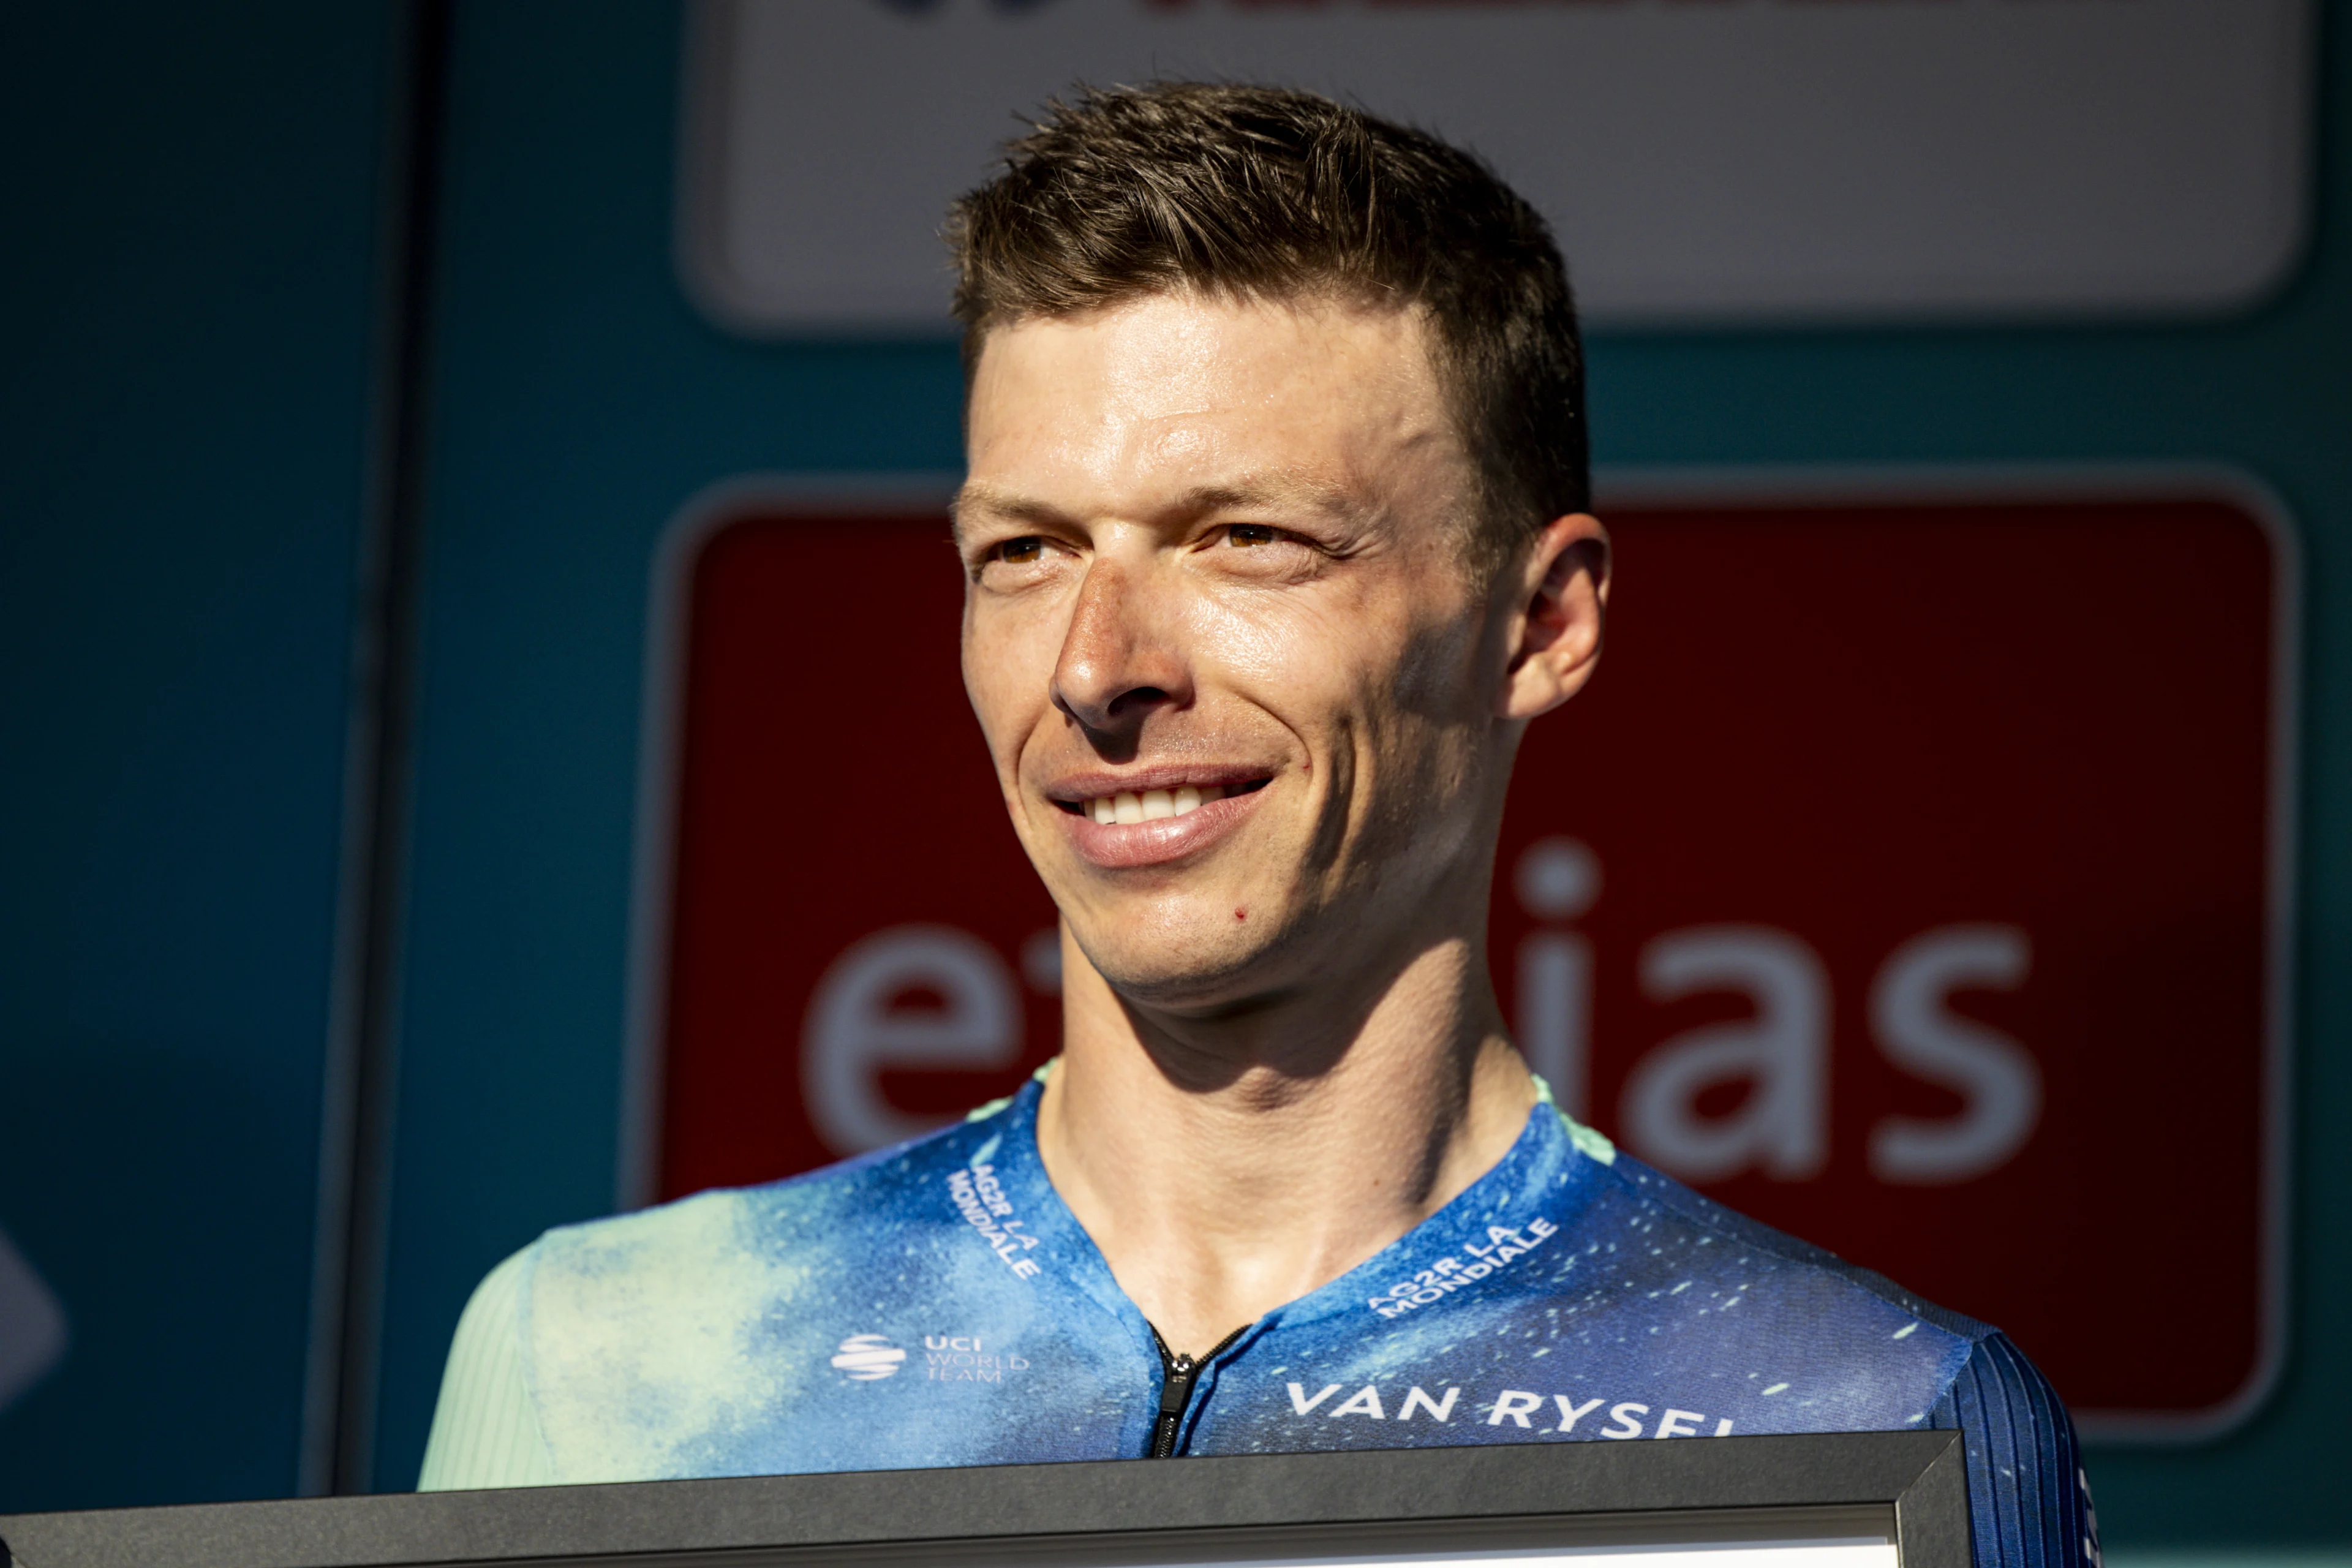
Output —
(867, 1358)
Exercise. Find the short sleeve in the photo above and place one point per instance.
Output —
(485, 1432)
(2029, 1500)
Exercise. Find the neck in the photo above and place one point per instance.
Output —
(1225, 1166)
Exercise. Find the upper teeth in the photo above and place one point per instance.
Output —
(1152, 804)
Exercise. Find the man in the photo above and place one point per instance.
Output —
(1276, 537)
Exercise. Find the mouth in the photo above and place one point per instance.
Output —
(1156, 816)
(1123, 808)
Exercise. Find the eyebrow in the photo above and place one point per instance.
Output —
(980, 497)
(1276, 491)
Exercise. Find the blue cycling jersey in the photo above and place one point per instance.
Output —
(937, 1304)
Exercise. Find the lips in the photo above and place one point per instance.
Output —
(1154, 817)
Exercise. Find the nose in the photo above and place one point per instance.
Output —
(1119, 662)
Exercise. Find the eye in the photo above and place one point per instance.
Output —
(1248, 535)
(1019, 551)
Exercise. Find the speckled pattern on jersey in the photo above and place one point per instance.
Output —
(936, 1304)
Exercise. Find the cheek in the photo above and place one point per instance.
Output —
(1387, 679)
(1438, 625)
(1005, 695)
(1420, 714)
(1263, 645)
(1380, 651)
(1435, 674)
(1294, 658)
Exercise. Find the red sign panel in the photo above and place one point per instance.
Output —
(1906, 878)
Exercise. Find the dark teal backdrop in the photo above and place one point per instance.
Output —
(188, 280)
(187, 390)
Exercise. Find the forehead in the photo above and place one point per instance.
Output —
(1104, 410)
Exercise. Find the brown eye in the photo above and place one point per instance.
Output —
(1244, 535)
(1019, 551)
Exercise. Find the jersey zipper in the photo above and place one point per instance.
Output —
(1178, 1373)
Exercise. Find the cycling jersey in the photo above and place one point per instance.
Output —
(937, 1304)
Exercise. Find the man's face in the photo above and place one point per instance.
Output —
(1238, 678)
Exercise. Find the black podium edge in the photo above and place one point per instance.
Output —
(1919, 1475)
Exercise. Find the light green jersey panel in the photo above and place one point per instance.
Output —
(485, 1433)
(1591, 1142)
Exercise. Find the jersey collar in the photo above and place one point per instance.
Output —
(1528, 1200)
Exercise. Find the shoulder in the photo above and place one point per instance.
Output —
(617, 1296)
(1872, 1354)
(672, 1255)
(2029, 1502)
(1655, 1191)
(642, 1334)
(1649, 1202)
(484, 1432)
(2029, 1499)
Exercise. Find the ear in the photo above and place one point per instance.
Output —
(1560, 592)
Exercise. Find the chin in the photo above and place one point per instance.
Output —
(1193, 962)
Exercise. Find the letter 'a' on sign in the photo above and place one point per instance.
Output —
(1877, 886)
(1782, 1051)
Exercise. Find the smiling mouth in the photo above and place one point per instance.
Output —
(1129, 806)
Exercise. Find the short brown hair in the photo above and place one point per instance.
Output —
(1267, 193)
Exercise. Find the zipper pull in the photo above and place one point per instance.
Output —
(1175, 1390)
(1177, 1374)
(1176, 1385)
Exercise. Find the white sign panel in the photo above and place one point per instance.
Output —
(1735, 162)
(1879, 1553)
(32, 1325)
